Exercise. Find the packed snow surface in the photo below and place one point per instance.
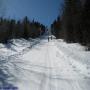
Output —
(42, 65)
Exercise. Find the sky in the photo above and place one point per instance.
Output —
(44, 11)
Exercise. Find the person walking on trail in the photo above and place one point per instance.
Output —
(51, 37)
(48, 39)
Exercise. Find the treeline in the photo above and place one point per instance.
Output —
(12, 29)
(74, 23)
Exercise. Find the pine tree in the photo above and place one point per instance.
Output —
(86, 23)
(71, 20)
(26, 25)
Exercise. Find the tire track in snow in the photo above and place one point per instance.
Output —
(55, 85)
(46, 81)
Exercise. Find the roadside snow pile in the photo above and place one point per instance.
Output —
(75, 51)
(78, 57)
(75, 46)
(9, 64)
(4, 51)
(19, 42)
(18, 45)
(15, 46)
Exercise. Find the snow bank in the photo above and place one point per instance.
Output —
(78, 57)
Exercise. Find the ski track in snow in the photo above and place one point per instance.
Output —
(47, 67)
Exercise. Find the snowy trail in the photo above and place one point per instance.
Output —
(46, 67)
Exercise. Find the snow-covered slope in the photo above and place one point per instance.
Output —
(53, 65)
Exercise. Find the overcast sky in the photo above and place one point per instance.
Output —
(44, 11)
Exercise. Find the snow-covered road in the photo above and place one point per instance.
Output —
(47, 67)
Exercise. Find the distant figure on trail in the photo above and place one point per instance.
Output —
(51, 37)
(48, 39)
